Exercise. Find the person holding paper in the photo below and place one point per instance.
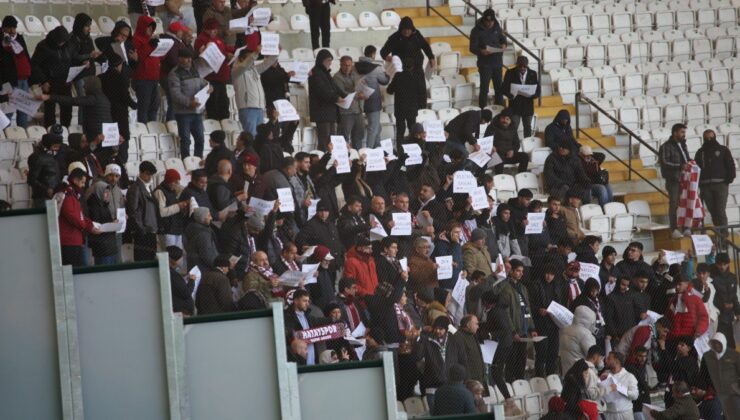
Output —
(684, 406)
(214, 295)
(321, 230)
(115, 85)
(141, 209)
(200, 241)
(360, 265)
(81, 42)
(223, 14)
(179, 33)
(224, 201)
(413, 98)
(465, 350)
(475, 253)
(261, 278)
(516, 296)
(350, 224)
(173, 210)
(248, 90)
(505, 232)
(44, 174)
(408, 43)
(543, 291)
(725, 282)
(184, 82)
(182, 286)
(577, 338)
(521, 105)
(50, 64)
(217, 106)
(351, 121)
(623, 389)
(506, 141)
(486, 35)
(373, 76)
(103, 246)
(322, 102)
(15, 62)
(146, 74)
(388, 267)
(448, 243)
(219, 151)
(422, 269)
(73, 224)
(465, 129)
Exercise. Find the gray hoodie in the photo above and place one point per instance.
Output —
(577, 338)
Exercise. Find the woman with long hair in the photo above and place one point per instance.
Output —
(574, 393)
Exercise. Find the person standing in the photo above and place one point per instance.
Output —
(73, 224)
(172, 210)
(15, 63)
(223, 14)
(199, 9)
(43, 171)
(351, 123)
(178, 33)
(103, 246)
(141, 208)
(145, 79)
(550, 288)
(515, 294)
(373, 76)
(453, 397)
(620, 406)
(323, 98)
(465, 350)
(248, 90)
(413, 97)
(576, 339)
(185, 82)
(115, 87)
(214, 295)
(522, 106)
(673, 156)
(725, 283)
(719, 376)
(488, 33)
(405, 43)
(217, 106)
(319, 16)
(50, 65)
(717, 172)
(82, 45)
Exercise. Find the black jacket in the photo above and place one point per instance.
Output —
(81, 43)
(43, 173)
(219, 193)
(564, 170)
(94, 104)
(415, 47)
(215, 156)
(413, 94)
(115, 87)
(233, 239)
(672, 154)
(434, 373)
(322, 102)
(319, 232)
(182, 293)
(50, 61)
(104, 44)
(214, 294)
(480, 37)
(350, 226)
(8, 73)
(557, 133)
(504, 139)
(200, 246)
(520, 105)
(104, 244)
(620, 310)
(557, 227)
(142, 210)
(275, 84)
(716, 163)
(436, 209)
(201, 197)
(541, 294)
(725, 285)
(465, 128)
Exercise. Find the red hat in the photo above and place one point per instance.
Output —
(210, 24)
(574, 265)
(171, 176)
(322, 253)
(251, 159)
(178, 26)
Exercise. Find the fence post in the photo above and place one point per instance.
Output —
(428, 7)
(578, 129)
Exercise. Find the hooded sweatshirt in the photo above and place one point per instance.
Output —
(224, 72)
(414, 47)
(324, 92)
(81, 43)
(50, 61)
(148, 67)
(556, 133)
(578, 337)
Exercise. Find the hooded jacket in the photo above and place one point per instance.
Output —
(716, 163)
(577, 338)
(412, 94)
(414, 47)
(481, 37)
(105, 45)
(465, 128)
(374, 76)
(98, 209)
(13, 66)
(200, 244)
(691, 321)
(722, 370)
(148, 66)
(361, 267)
(504, 138)
(50, 61)
(322, 102)
(557, 133)
(564, 171)
(43, 172)
(81, 43)
(223, 75)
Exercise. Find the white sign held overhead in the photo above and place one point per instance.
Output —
(444, 267)
(479, 197)
(461, 286)
(536, 222)
(702, 244)
(589, 271)
(163, 47)
(401, 224)
(312, 207)
(270, 43)
(375, 160)
(341, 154)
(73, 72)
(110, 135)
(559, 314)
(261, 16)
(286, 110)
(287, 203)
(674, 257)
(240, 24)
(213, 57)
(435, 131)
(463, 182)
(414, 154)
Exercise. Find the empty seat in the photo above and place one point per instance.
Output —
(372, 21)
(579, 25)
(347, 21)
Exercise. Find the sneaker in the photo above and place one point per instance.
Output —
(676, 234)
(511, 410)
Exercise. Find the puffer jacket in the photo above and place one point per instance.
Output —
(577, 338)
(200, 245)
(564, 170)
(322, 103)
(693, 322)
(374, 76)
(504, 139)
(184, 83)
(72, 222)
(148, 67)
(361, 267)
(245, 75)
(480, 37)
(43, 173)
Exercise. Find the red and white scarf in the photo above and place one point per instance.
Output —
(690, 210)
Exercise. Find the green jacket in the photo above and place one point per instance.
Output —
(683, 408)
(511, 297)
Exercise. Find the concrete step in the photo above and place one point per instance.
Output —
(414, 12)
(454, 40)
(618, 166)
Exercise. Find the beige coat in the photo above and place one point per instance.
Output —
(476, 259)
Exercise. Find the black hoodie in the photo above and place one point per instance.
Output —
(53, 57)
(557, 133)
(322, 103)
(414, 47)
(104, 44)
(81, 43)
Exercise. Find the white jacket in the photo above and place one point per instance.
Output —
(245, 76)
(623, 403)
(577, 338)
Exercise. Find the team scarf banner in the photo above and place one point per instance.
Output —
(323, 333)
(690, 210)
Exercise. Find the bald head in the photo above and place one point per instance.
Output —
(224, 167)
(260, 259)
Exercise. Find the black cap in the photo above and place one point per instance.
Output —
(10, 22)
(50, 139)
(322, 206)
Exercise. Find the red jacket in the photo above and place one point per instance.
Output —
(361, 267)
(72, 222)
(224, 73)
(148, 66)
(694, 321)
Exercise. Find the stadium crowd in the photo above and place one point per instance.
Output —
(371, 260)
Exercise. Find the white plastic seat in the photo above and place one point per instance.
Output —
(348, 21)
(727, 17)
(600, 24)
(702, 48)
(681, 50)
(611, 86)
(665, 19)
(579, 25)
(720, 79)
(567, 88)
(698, 81)
(574, 56)
(370, 20)
(390, 18)
(191, 163)
(677, 82)
(505, 185)
(536, 26)
(300, 23)
(716, 113)
(634, 84)
(660, 51)
(724, 47)
(167, 146)
(695, 114)
(608, 127)
(527, 180)
(551, 58)
(51, 22)
(539, 156)
(603, 70)
(590, 87)
(630, 117)
(566, 41)
(557, 26)
(624, 69)
(673, 114)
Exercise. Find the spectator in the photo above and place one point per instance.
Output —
(146, 73)
(220, 194)
(73, 224)
(136, 10)
(351, 123)
(637, 366)
(414, 98)
(141, 208)
(115, 86)
(288, 260)
(248, 90)
(475, 254)
(607, 273)
(621, 405)
(633, 263)
(506, 142)
(172, 209)
(587, 249)
(197, 189)
(725, 282)
(717, 172)
(422, 270)
(576, 339)
(110, 46)
(433, 349)
(559, 133)
(271, 151)
(550, 288)
(297, 317)
(260, 279)
(199, 10)
(591, 298)
(703, 286)
(575, 392)
(103, 245)
(595, 362)
(448, 243)
(465, 129)
(686, 313)
(718, 376)
(599, 177)
(453, 397)
(111, 179)
(486, 33)
(179, 34)
(43, 172)
(673, 156)
(465, 350)
(275, 82)
(519, 208)
(387, 265)
(50, 64)
(15, 62)
(200, 241)
(324, 97)
(222, 14)
(555, 220)
(620, 311)
(644, 335)
(515, 294)
(408, 43)
(476, 388)
(360, 265)
(319, 17)
(172, 12)
(321, 231)
(564, 171)
(506, 233)
(522, 106)
(429, 208)
(640, 294)
(219, 151)
(571, 214)
(82, 45)
(684, 406)
(217, 105)
(352, 313)
(214, 291)
(374, 76)
(181, 286)
(184, 82)
(350, 224)
(298, 351)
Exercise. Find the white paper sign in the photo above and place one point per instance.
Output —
(4, 121)
(193, 205)
(310, 270)
(121, 217)
(108, 227)
(674, 257)
(363, 89)
(488, 350)
(110, 135)
(24, 102)
(463, 182)
(387, 146)
(312, 208)
(341, 154)
(346, 102)
(401, 224)
(559, 314)
(435, 131)
(375, 160)
(458, 292)
(536, 222)
(701, 344)
(202, 97)
(270, 43)
(292, 278)
(479, 197)
(240, 24)
(523, 90)
(444, 267)
(404, 263)
(261, 206)
(589, 271)
(195, 272)
(414, 154)
(702, 243)
(213, 57)
(480, 158)
(494, 49)
(646, 408)
(378, 232)
(301, 69)
(286, 110)
(163, 47)
(486, 144)
(261, 16)
(287, 202)
(73, 72)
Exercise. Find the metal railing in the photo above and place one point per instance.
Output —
(580, 97)
(724, 237)
(478, 12)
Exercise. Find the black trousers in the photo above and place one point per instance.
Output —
(217, 105)
(319, 19)
(547, 354)
(65, 111)
(145, 246)
(324, 131)
(198, 11)
(72, 255)
(500, 361)
(517, 362)
(401, 124)
(519, 158)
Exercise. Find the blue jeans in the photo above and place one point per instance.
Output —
(21, 119)
(188, 124)
(373, 129)
(147, 98)
(251, 118)
(603, 193)
(107, 260)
